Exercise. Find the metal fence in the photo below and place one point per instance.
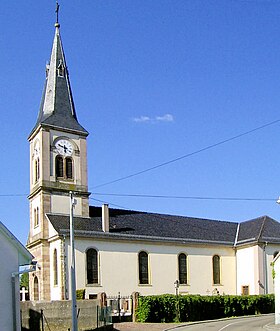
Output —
(121, 307)
(104, 316)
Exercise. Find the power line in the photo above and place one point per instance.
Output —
(185, 197)
(188, 155)
(148, 196)
(112, 204)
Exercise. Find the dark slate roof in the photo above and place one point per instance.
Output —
(137, 225)
(142, 225)
(57, 107)
(260, 229)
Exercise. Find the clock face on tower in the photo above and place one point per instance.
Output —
(64, 147)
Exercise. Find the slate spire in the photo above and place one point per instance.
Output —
(57, 108)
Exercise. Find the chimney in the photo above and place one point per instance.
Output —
(105, 218)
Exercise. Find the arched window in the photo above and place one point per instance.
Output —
(182, 265)
(59, 166)
(36, 216)
(36, 288)
(216, 269)
(64, 167)
(92, 266)
(69, 168)
(143, 262)
(37, 170)
(55, 269)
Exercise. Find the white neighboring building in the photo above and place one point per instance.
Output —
(121, 250)
(13, 255)
(277, 288)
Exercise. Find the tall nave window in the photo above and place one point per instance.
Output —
(182, 264)
(143, 265)
(92, 266)
(216, 269)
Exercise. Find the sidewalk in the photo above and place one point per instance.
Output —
(130, 326)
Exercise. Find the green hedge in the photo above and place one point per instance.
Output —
(80, 294)
(169, 308)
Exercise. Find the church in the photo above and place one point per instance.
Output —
(125, 251)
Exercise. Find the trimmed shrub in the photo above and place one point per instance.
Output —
(80, 294)
(184, 308)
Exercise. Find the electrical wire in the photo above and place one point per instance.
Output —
(185, 197)
(187, 155)
(151, 196)
(112, 204)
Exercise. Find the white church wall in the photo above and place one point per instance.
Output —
(254, 268)
(118, 267)
(247, 260)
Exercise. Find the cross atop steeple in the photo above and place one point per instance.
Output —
(57, 11)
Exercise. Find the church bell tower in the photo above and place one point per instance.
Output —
(58, 164)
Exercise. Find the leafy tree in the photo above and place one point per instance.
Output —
(24, 280)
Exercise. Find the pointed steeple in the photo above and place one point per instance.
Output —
(57, 108)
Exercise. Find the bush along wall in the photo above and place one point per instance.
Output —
(80, 294)
(184, 308)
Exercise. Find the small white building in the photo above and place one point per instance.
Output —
(13, 255)
(276, 263)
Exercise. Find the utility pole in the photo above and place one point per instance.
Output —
(72, 271)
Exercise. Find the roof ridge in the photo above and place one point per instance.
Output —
(262, 227)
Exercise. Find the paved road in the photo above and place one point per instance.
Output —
(257, 323)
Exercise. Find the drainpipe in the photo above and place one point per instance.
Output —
(235, 250)
(265, 269)
(14, 275)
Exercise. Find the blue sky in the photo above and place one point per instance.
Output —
(152, 80)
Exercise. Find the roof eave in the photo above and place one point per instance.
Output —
(119, 236)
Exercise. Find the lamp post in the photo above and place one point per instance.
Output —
(176, 285)
(72, 271)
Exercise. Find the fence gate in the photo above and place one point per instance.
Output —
(121, 307)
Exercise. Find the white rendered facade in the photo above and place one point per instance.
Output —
(13, 255)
